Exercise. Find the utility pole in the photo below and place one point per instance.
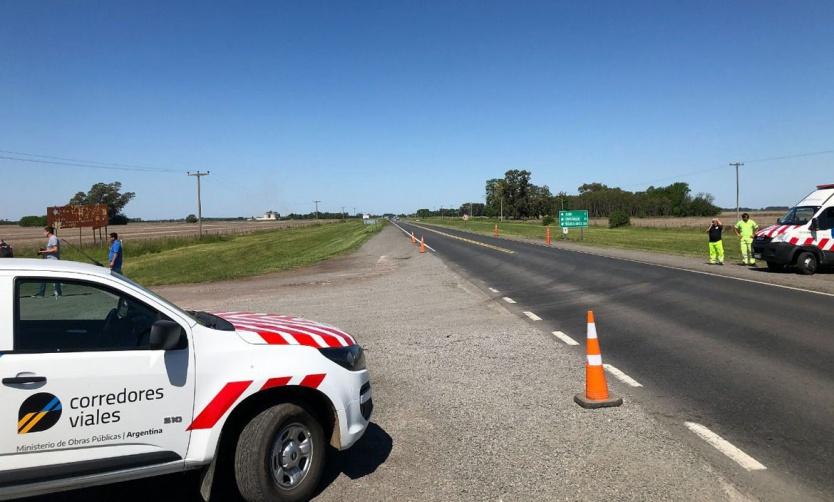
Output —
(737, 164)
(199, 175)
(317, 208)
(343, 212)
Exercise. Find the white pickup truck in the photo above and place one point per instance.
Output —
(109, 382)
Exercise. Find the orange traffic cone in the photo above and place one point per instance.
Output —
(422, 245)
(596, 388)
(413, 240)
(547, 238)
(496, 230)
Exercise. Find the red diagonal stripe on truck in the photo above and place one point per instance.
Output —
(276, 382)
(219, 405)
(313, 381)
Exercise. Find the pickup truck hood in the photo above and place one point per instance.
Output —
(272, 329)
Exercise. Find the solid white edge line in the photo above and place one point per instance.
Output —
(725, 447)
(532, 316)
(508, 299)
(619, 375)
(565, 338)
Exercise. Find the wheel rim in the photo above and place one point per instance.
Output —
(292, 455)
(810, 263)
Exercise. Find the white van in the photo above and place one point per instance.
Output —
(803, 237)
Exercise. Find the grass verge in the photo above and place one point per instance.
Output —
(178, 260)
(681, 241)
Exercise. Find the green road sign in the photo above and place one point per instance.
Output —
(573, 219)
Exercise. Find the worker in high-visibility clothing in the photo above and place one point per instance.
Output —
(716, 247)
(746, 229)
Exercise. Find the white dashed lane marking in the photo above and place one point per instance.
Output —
(621, 376)
(565, 338)
(533, 316)
(508, 299)
(725, 447)
(493, 290)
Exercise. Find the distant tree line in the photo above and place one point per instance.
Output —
(515, 197)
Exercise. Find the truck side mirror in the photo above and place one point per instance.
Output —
(778, 221)
(815, 224)
(165, 335)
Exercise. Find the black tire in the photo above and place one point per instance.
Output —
(775, 267)
(807, 263)
(280, 455)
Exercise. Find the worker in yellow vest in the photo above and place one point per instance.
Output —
(746, 229)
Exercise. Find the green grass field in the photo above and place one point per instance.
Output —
(176, 260)
(678, 241)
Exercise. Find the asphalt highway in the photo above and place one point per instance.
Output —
(749, 360)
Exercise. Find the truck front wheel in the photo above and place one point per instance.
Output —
(280, 455)
(807, 263)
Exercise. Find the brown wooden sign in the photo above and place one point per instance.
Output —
(94, 216)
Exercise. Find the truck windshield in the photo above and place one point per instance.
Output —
(799, 215)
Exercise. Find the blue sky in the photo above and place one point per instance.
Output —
(393, 106)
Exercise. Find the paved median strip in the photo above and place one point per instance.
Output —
(725, 447)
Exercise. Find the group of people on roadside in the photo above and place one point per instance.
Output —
(745, 229)
(52, 251)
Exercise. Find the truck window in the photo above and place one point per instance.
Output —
(799, 215)
(826, 218)
(85, 317)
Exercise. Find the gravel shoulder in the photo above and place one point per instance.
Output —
(472, 402)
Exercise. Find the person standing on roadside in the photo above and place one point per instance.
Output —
(716, 246)
(746, 229)
(52, 251)
(115, 253)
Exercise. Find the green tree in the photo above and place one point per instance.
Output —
(33, 221)
(191, 218)
(110, 194)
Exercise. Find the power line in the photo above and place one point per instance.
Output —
(824, 152)
(84, 163)
(704, 171)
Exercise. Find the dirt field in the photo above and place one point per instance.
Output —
(32, 237)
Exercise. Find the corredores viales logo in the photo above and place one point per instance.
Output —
(38, 413)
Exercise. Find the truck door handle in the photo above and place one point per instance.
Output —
(24, 379)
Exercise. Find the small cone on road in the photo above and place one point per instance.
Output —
(422, 245)
(496, 230)
(413, 240)
(548, 235)
(596, 388)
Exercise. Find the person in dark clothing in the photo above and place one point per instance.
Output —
(716, 246)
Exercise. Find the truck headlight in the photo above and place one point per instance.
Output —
(351, 358)
(780, 238)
